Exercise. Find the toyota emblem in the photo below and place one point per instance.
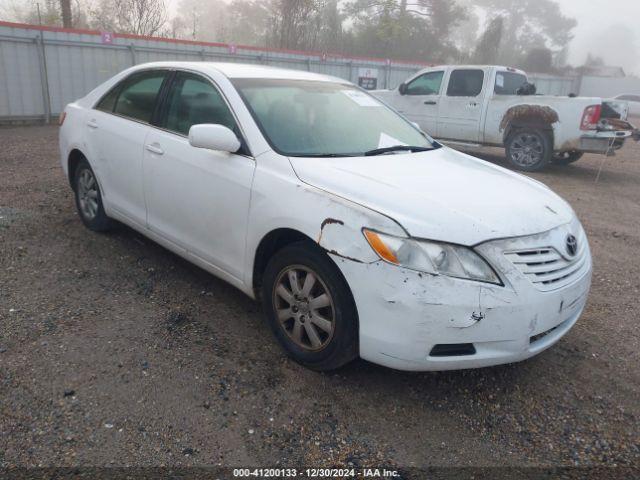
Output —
(572, 245)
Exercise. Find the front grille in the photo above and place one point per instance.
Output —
(547, 269)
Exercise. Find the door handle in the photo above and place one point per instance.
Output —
(92, 123)
(154, 148)
(430, 102)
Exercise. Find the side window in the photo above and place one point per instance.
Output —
(508, 83)
(427, 84)
(137, 98)
(465, 83)
(194, 100)
(108, 102)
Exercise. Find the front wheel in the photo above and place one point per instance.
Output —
(529, 149)
(310, 308)
(565, 158)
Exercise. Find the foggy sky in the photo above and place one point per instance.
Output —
(606, 28)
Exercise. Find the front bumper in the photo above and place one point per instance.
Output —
(404, 314)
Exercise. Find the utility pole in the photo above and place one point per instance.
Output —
(65, 6)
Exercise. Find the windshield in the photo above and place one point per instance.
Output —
(313, 118)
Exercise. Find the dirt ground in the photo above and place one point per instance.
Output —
(113, 351)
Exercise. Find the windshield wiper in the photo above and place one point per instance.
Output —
(397, 148)
(323, 155)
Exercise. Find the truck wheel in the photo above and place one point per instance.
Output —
(565, 158)
(309, 307)
(529, 149)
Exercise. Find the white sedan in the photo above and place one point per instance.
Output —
(633, 101)
(360, 234)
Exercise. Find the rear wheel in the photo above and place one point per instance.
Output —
(565, 158)
(89, 199)
(310, 308)
(529, 149)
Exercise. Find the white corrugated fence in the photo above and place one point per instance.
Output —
(44, 68)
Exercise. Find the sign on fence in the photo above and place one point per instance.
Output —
(368, 78)
(106, 37)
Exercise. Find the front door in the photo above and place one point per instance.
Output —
(197, 198)
(461, 106)
(420, 101)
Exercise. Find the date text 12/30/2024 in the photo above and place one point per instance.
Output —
(315, 473)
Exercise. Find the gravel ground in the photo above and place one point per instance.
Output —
(113, 351)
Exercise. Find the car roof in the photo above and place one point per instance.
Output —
(244, 70)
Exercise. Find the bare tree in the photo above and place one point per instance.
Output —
(140, 17)
(44, 12)
(65, 8)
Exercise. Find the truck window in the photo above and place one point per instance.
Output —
(426, 84)
(508, 83)
(465, 83)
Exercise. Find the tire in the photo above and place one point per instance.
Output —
(89, 199)
(319, 328)
(529, 149)
(566, 158)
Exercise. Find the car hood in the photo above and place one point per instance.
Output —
(441, 194)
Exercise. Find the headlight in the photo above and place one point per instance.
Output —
(432, 257)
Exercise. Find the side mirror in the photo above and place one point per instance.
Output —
(402, 89)
(213, 137)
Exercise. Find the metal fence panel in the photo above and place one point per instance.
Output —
(43, 68)
(609, 86)
(551, 85)
(21, 93)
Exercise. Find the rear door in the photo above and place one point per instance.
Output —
(116, 130)
(420, 101)
(461, 105)
(197, 198)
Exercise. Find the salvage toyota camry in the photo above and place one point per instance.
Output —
(360, 234)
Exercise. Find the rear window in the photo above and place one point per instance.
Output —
(137, 99)
(465, 83)
(508, 83)
(108, 102)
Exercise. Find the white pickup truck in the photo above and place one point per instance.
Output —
(472, 106)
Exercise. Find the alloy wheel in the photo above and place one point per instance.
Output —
(304, 307)
(88, 194)
(527, 150)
